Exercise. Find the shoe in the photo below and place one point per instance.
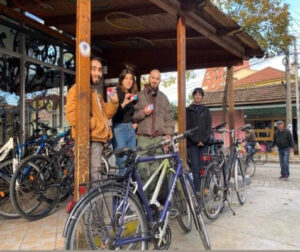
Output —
(282, 176)
(286, 176)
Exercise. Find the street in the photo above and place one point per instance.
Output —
(268, 220)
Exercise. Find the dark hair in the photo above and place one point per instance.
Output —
(126, 71)
(96, 58)
(198, 90)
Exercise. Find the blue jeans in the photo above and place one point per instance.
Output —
(196, 163)
(250, 148)
(124, 136)
(284, 156)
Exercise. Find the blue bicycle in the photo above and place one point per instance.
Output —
(117, 215)
(11, 154)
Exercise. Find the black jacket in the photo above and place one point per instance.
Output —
(198, 115)
(283, 139)
(123, 115)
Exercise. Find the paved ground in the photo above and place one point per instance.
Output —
(268, 220)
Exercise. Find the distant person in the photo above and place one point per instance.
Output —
(250, 140)
(123, 126)
(198, 115)
(283, 139)
(100, 113)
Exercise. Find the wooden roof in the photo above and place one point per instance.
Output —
(142, 33)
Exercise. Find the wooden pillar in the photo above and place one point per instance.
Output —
(82, 140)
(181, 68)
(230, 99)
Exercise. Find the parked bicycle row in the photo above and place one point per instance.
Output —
(36, 175)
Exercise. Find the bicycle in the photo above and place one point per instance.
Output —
(117, 215)
(247, 161)
(260, 156)
(221, 176)
(11, 154)
(40, 181)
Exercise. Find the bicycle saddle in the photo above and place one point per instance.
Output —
(124, 151)
(216, 142)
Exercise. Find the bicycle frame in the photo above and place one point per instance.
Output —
(164, 215)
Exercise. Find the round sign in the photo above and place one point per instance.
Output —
(85, 49)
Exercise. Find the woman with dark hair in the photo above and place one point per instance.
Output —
(123, 127)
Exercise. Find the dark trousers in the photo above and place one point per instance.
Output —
(196, 164)
(284, 156)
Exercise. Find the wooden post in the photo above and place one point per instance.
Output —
(82, 140)
(181, 67)
(224, 106)
(229, 78)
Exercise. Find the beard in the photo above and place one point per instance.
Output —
(92, 82)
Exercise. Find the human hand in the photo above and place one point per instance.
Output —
(200, 144)
(134, 125)
(148, 109)
(126, 100)
(114, 98)
(166, 147)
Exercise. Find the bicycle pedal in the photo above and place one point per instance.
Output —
(173, 213)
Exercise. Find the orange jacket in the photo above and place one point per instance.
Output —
(99, 125)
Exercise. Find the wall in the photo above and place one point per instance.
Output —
(239, 121)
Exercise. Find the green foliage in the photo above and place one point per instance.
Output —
(175, 110)
(169, 79)
(265, 20)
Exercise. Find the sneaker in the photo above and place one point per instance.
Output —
(286, 176)
(282, 176)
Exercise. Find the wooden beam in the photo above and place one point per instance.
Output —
(202, 26)
(163, 35)
(181, 69)
(100, 15)
(82, 140)
(7, 11)
(229, 79)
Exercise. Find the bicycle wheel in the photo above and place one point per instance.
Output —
(212, 191)
(34, 191)
(96, 223)
(250, 167)
(6, 208)
(184, 217)
(195, 207)
(240, 182)
(260, 157)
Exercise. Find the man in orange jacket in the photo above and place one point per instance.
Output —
(101, 112)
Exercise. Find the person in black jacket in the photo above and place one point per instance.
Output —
(283, 139)
(197, 115)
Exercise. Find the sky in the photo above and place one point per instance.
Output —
(258, 64)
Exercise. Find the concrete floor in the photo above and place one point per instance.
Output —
(269, 220)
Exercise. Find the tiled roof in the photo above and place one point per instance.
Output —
(266, 74)
(267, 94)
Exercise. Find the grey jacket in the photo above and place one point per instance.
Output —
(161, 121)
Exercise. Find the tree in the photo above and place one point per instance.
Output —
(265, 20)
(170, 78)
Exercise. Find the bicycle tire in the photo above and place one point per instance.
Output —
(250, 167)
(34, 185)
(212, 189)
(260, 158)
(240, 182)
(6, 208)
(184, 217)
(81, 233)
(195, 207)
